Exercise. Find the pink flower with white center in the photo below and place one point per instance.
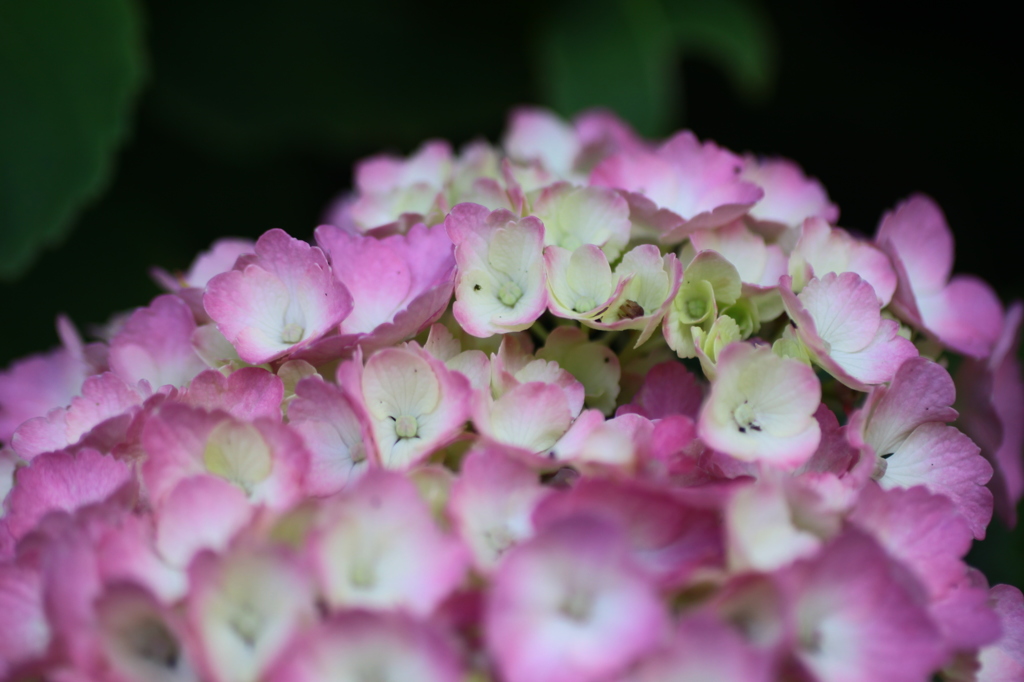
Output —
(63, 481)
(244, 608)
(359, 646)
(500, 285)
(530, 417)
(838, 320)
(281, 301)
(394, 193)
(33, 386)
(333, 432)
(903, 426)
(765, 529)
(684, 185)
(790, 196)
(704, 649)
(558, 605)
(668, 537)
(962, 312)
(859, 616)
(492, 504)
(264, 458)
(155, 344)
(990, 398)
(378, 547)
(761, 407)
(759, 265)
(581, 285)
(822, 249)
(513, 366)
(246, 394)
(399, 284)
(412, 404)
(1004, 660)
(574, 216)
(140, 639)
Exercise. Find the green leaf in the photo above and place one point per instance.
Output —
(626, 54)
(69, 74)
(735, 35)
(617, 54)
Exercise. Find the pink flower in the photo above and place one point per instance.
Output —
(839, 321)
(556, 608)
(155, 344)
(394, 193)
(281, 300)
(962, 312)
(684, 186)
(500, 287)
(761, 407)
(858, 617)
(377, 547)
(903, 427)
(411, 403)
(264, 458)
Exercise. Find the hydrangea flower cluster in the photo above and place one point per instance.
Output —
(578, 408)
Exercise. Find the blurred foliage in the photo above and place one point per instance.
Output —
(626, 54)
(69, 74)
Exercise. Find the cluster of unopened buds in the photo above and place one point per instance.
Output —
(581, 408)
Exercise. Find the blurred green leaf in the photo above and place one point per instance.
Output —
(735, 35)
(618, 54)
(69, 73)
(626, 54)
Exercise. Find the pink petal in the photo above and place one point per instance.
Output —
(413, 266)
(333, 433)
(61, 481)
(247, 393)
(789, 196)
(917, 232)
(1004, 661)
(946, 462)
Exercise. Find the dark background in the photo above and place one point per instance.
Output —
(254, 112)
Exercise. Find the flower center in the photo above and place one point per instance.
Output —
(745, 418)
(696, 307)
(577, 606)
(292, 333)
(584, 305)
(406, 426)
(510, 293)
